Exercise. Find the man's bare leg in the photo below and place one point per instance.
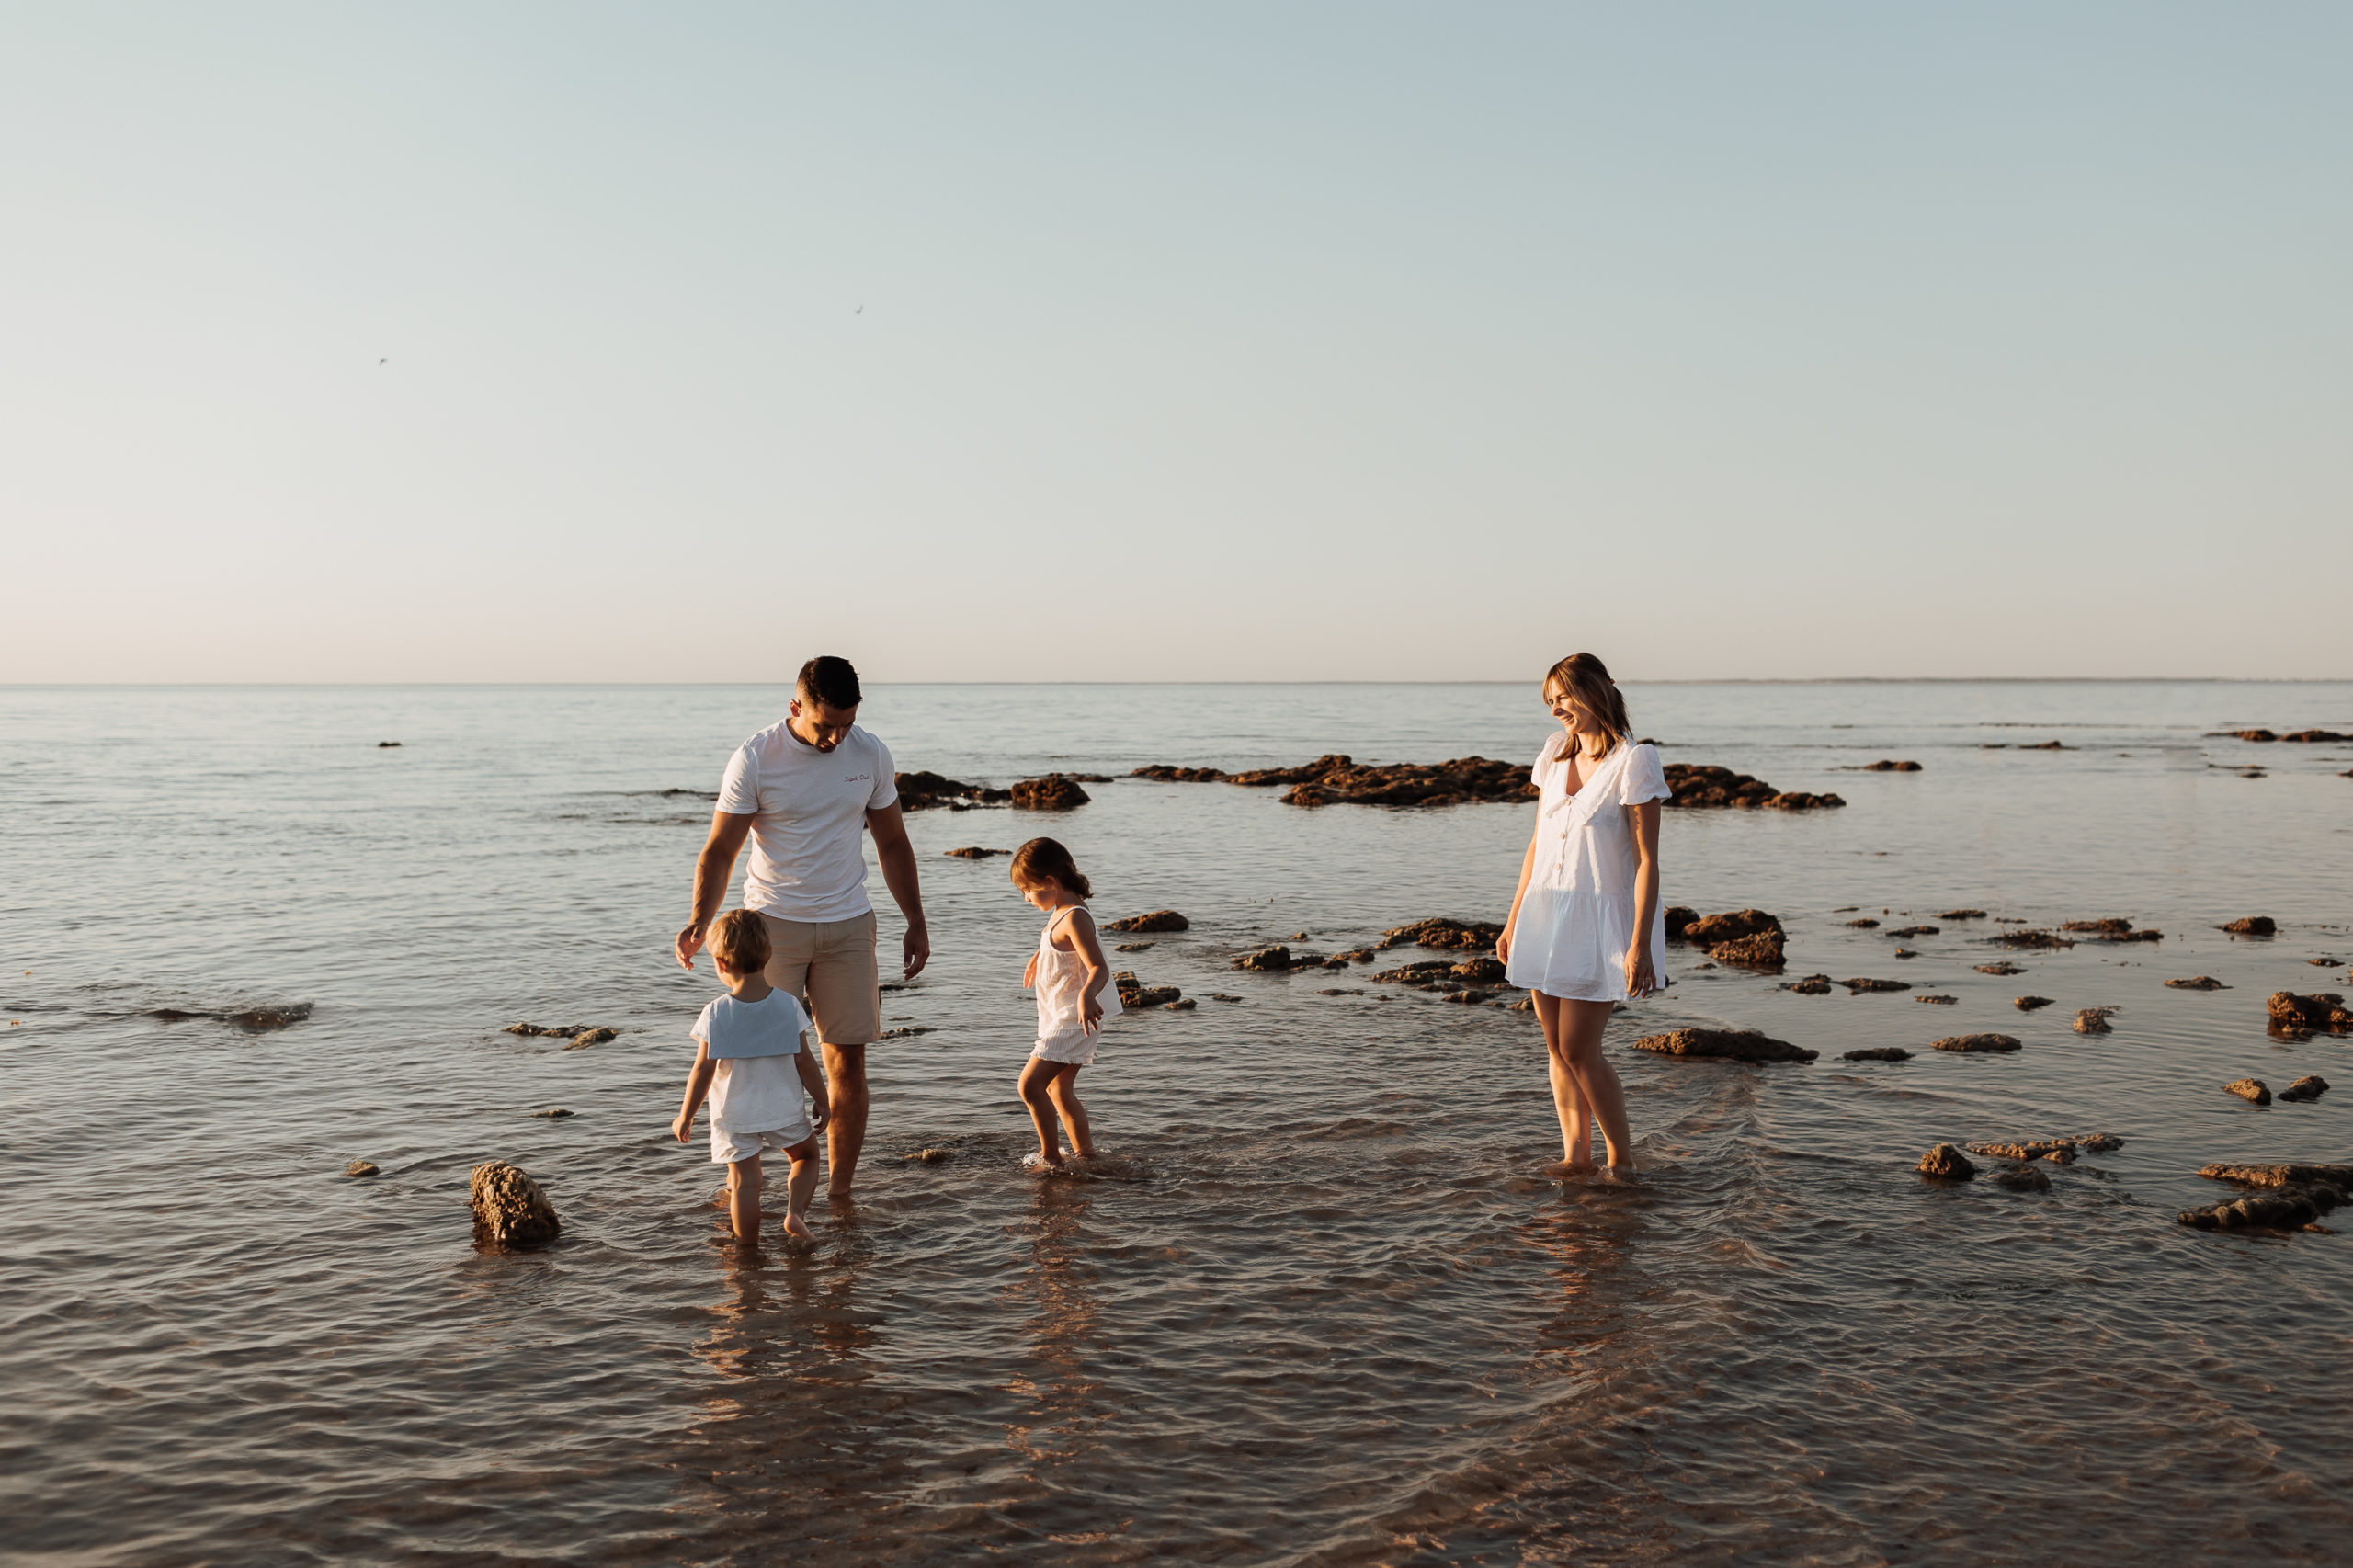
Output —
(845, 1124)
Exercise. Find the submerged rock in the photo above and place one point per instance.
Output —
(360, 1168)
(2252, 926)
(924, 790)
(2289, 1206)
(2111, 929)
(1158, 920)
(930, 1157)
(1962, 915)
(1811, 985)
(2098, 1142)
(2024, 1178)
(1475, 935)
(1945, 1162)
(1135, 995)
(587, 1037)
(1761, 951)
(2297, 1016)
(2031, 938)
(1696, 785)
(1708, 930)
(1857, 987)
(2280, 1175)
(1055, 792)
(549, 1030)
(2306, 1089)
(2005, 967)
(974, 852)
(1883, 1053)
(1275, 960)
(1725, 1045)
(253, 1020)
(511, 1209)
(1938, 1000)
(2057, 1151)
(2253, 1089)
(2199, 982)
(1884, 766)
(2092, 1020)
(1910, 931)
(1134, 946)
(553, 1113)
(1977, 1043)
(1864, 925)
(2030, 1004)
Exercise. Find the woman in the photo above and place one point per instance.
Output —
(1585, 928)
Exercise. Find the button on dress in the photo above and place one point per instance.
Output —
(1576, 919)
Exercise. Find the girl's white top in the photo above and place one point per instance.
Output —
(1062, 984)
(754, 1082)
(1576, 919)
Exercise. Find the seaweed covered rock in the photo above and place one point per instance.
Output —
(1886, 765)
(1274, 959)
(2092, 1020)
(2005, 967)
(1761, 951)
(2058, 1151)
(1859, 986)
(1708, 930)
(1699, 785)
(1879, 1053)
(2279, 1174)
(511, 1209)
(2112, 928)
(1461, 781)
(2305, 1088)
(2030, 1004)
(2252, 926)
(924, 790)
(1811, 985)
(1945, 1162)
(2023, 1178)
(1725, 1045)
(2287, 1206)
(2198, 983)
(2251, 1089)
(1055, 792)
(2030, 939)
(1134, 995)
(1158, 920)
(2296, 1017)
(1973, 1043)
(1472, 936)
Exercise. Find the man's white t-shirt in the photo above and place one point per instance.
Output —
(808, 809)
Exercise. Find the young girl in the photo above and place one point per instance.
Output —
(1586, 929)
(752, 1060)
(1074, 995)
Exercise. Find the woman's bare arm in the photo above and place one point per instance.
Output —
(1642, 965)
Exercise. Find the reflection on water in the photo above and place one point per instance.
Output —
(1331, 1314)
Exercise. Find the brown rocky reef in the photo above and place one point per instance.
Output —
(1134, 994)
(974, 852)
(1945, 1162)
(1972, 1043)
(1055, 792)
(2306, 1089)
(1884, 766)
(2092, 1020)
(2299, 737)
(2254, 1089)
(2031, 940)
(1879, 1053)
(580, 1036)
(253, 1020)
(1470, 936)
(1275, 960)
(2112, 930)
(2252, 926)
(2287, 1197)
(1336, 778)
(1859, 986)
(2197, 982)
(511, 1209)
(2296, 1017)
(1724, 1045)
(1749, 938)
(925, 790)
(1698, 784)
(1158, 920)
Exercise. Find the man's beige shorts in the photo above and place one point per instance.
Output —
(830, 966)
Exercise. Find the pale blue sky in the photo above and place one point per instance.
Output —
(1198, 341)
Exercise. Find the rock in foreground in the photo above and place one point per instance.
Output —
(2253, 1089)
(2287, 1208)
(1134, 995)
(1973, 1043)
(510, 1209)
(1725, 1045)
(1475, 935)
(1158, 920)
(2023, 1178)
(2308, 1088)
(1761, 951)
(1945, 1162)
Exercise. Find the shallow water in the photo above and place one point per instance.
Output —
(1331, 1313)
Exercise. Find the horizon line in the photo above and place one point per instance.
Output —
(787, 681)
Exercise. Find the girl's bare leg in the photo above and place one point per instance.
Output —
(1036, 1087)
(1595, 1080)
(799, 1187)
(744, 1198)
(1568, 1101)
(1066, 1093)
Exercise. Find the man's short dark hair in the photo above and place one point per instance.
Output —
(831, 681)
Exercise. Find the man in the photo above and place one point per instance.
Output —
(803, 791)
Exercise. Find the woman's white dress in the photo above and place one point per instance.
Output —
(1576, 919)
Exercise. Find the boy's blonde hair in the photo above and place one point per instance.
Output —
(739, 943)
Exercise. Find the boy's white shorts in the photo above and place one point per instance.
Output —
(726, 1148)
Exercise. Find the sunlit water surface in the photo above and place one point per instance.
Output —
(1332, 1315)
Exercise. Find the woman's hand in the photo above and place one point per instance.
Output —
(1641, 979)
(1503, 944)
(1090, 1013)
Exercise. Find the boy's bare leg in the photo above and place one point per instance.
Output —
(799, 1187)
(1037, 1089)
(845, 1114)
(744, 1198)
(1063, 1086)
(1595, 1080)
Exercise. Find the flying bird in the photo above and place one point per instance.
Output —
(859, 312)
(381, 361)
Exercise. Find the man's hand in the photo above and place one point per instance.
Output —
(918, 951)
(689, 944)
(680, 1128)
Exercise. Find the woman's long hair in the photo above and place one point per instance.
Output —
(1043, 860)
(1586, 679)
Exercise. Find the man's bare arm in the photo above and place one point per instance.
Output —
(715, 869)
(897, 853)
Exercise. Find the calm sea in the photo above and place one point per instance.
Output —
(1334, 1315)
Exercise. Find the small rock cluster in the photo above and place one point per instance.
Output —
(2288, 1196)
(2297, 1017)
(1158, 920)
(922, 791)
(1698, 785)
(2112, 930)
(1725, 1045)
(583, 1035)
(1134, 995)
(1747, 939)
(1055, 792)
(1336, 778)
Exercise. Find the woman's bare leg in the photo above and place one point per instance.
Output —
(1576, 1130)
(1595, 1080)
